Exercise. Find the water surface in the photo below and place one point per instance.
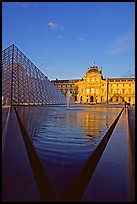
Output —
(65, 138)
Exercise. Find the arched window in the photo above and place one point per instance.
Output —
(91, 99)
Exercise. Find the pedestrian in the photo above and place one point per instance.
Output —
(125, 104)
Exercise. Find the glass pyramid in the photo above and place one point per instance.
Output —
(23, 83)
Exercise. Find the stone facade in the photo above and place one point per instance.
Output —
(93, 88)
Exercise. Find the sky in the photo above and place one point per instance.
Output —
(64, 38)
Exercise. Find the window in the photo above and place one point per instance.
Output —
(129, 91)
(116, 98)
(92, 90)
(88, 79)
(117, 90)
(111, 91)
(87, 91)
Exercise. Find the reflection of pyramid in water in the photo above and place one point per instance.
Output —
(23, 83)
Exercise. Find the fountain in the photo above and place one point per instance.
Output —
(68, 98)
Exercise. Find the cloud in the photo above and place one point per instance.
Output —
(59, 36)
(40, 57)
(27, 4)
(55, 26)
(129, 73)
(121, 44)
(80, 39)
(22, 4)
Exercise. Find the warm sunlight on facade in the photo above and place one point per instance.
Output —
(93, 88)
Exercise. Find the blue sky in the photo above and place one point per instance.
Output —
(64, 38)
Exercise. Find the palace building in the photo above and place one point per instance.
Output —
(93, 88)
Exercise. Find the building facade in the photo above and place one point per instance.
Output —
(93, 88)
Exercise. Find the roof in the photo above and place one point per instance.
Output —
(122, 78)
(65, 80)
(93, 69)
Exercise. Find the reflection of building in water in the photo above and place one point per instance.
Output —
(93, 121)
(93, 88)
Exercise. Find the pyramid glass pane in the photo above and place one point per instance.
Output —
(23, 83)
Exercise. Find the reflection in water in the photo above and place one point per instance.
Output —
(4, 116)
(65, 139)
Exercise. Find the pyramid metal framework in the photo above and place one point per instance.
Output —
(23, 83)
